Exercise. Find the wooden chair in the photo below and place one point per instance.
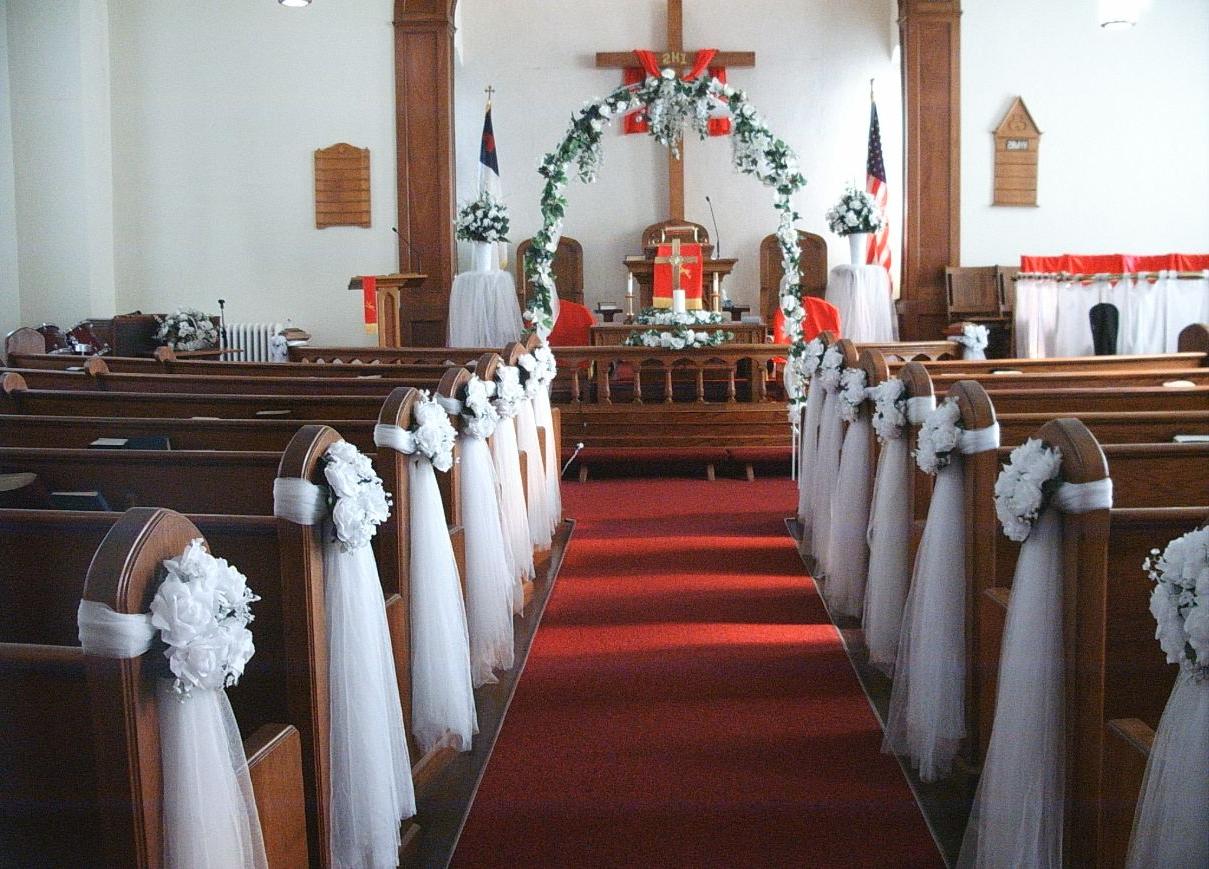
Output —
(568, 270)
(976, 294)
(813, 270)
(667, 230)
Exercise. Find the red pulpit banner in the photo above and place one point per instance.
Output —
(369, 303)
(691, 277)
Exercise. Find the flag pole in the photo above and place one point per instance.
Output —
(490, 92)
(871, 81)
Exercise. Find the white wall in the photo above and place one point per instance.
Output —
(10, 271)
(1125, 123)
(217, 109)
(58, 105)
(814, 61)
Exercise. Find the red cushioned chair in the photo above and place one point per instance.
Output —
(821, 316)
(572, 329)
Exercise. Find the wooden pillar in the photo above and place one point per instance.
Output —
(425, 150)
(930, 33)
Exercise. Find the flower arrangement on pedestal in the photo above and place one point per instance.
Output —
(484, 219)
(187, 329)
(856, 212)
(671, 105)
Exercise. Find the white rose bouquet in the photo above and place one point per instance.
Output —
(1180, 601)
(852, 393)
(356, 497)
(484, 219)
(889, 408)
(545, 367)
(974, 337)
(855, 212)
(434, 434)
(187, 329)
(938, 436)
(832, 368)
(1024, 484)
(202, 611)
(509, 392)
(479, 416)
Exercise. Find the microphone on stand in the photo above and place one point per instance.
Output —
(714, 217)
(419, 260)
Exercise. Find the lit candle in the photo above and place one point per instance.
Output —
(717, 306)
(678, 305)
(629, 284)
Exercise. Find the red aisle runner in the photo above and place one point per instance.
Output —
(687, 703)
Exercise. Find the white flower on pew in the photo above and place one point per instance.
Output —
(202, 610)
(974, 336)
(508, 391)
(889, 408)
(1180, 601)
(360, 502)
(1029, 476)
(528, 366)
(812, 357)
(831, 368)
(547, 366)
(434, 433)
(938, 436)
(852, 393)
(479, 416)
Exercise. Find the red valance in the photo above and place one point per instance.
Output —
(1114, 263)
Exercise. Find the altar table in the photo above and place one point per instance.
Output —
(483, 310)
(863, 297)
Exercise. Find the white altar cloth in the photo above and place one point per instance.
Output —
(1052, 316)
(483, 310)
(863, 296)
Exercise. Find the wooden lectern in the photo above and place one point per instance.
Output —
(643, 270)
(403, 313)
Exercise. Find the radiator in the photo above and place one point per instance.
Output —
(254, 339)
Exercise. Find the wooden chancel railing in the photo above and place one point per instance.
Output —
(642, 375)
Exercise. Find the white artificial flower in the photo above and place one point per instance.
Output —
(508, 392)
(938, 436)
(852, 393)
(813, 357)
(668, 74)
(1019, 488)
(1180, 600)
(361, 503)
(434, 433)
(183, 610)
(832, 368)
(889, 408)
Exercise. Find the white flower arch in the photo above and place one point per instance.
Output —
(671, 104)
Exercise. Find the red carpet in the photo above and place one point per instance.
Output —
(687, 703)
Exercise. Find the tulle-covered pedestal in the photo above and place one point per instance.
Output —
(862, 295)
(483, 310)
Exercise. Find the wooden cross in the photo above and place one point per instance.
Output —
(680, 59)
(677, 262)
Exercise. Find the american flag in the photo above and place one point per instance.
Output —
(878, 250)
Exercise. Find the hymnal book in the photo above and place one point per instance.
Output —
(92, 501)
(1192, 439)
(108, 443)
(273, 412)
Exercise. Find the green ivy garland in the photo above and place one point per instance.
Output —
(670, 104)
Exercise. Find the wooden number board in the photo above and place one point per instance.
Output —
(341, 186)
(1016, 142)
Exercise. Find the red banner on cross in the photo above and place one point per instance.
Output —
(636, 121)
(691, 277)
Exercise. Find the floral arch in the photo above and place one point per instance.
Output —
(671, 104)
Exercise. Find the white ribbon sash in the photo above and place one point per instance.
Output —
(1017, 817)
(848, 551)
(889, 538)
(209, 809)
(371, 786)
(514, 516)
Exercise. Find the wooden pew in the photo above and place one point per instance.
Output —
(80, 777)
(1115, 669)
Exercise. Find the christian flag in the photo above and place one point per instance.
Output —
(878, 250)
(489, 173)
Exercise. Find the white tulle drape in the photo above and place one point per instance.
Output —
(209, 810)
(926, 720)
(442, 691)
(513, 513)
(489, 581)
(848, 549)
(535, 476)
(809, 441)
(822, 481)
(371, 786)
(1172, 819)
(1018, 811)
(889, 538)
(544, 416)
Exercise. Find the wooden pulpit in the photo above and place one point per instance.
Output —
(643, 270)
(403, 311)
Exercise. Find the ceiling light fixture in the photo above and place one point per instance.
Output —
(296, 4)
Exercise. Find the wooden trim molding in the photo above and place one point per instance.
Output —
(930, 35)
(424, 143)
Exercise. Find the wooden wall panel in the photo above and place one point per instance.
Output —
(425, 149)
(930, 32)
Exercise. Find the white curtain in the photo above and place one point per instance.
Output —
(209, 811)
(1051, 316)
(371, 786)
(442, 691)
(1017, 817)
(514, 515)
(848, 550)
(823, 479)
(544, 417)
(926, 720)
(483, 310)
(1169, 828)
(809, 441)
(490, 584)
(535, 477)
(889, 536)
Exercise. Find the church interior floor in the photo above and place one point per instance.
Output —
(687, 702)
